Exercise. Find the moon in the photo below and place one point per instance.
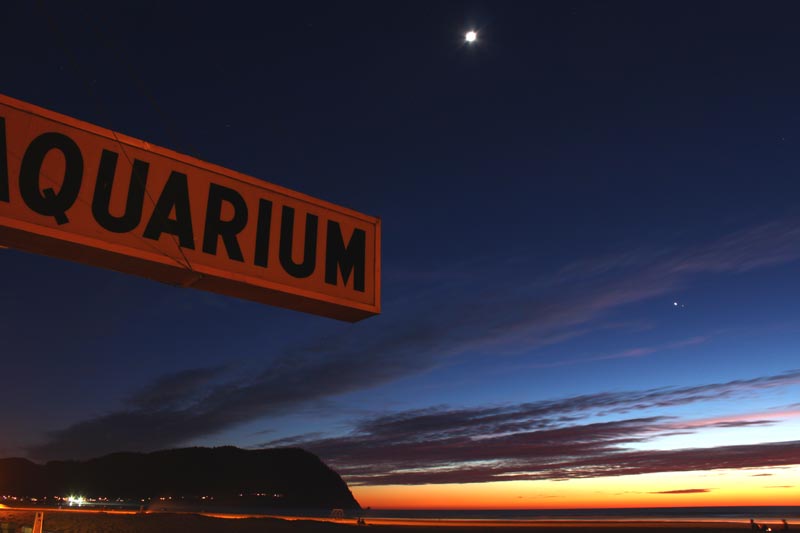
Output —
(471, 36)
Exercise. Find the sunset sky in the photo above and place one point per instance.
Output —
(590, 247)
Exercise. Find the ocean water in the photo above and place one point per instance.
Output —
(766, 514)
(760, 514)
(771, 515)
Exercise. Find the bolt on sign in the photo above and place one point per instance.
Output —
(73, 190)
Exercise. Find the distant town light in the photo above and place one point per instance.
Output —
(471, 36)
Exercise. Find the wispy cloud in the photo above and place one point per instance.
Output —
(520, 314)
(515, 314)
(767, 418)
(176, 409)
(605, 462)
(176, 389)
(545, 440)
(682, 491)
(640, 351)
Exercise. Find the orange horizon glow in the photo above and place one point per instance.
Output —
(751, 487)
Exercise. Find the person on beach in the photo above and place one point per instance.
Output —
(753, 524)
(785, 525)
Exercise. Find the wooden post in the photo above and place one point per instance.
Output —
(37, 522)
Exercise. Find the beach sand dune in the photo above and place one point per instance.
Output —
(83, 522)
(63, 521)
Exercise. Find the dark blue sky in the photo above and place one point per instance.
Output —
(546, 195)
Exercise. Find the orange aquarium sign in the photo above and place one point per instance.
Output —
(73, 190)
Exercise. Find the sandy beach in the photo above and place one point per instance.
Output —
(88, 521)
